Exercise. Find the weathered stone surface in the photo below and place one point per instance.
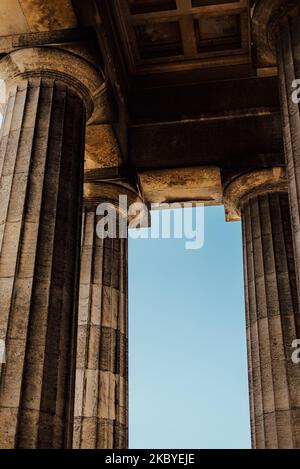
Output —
(101, 147)
(266, 17)
(197, 184)
(58, 64)
(289, 68)
(42, 164)
(41, 174)
(45, 15)
(22, 16)
(273, 321)
(272, 308)
(101, 396)
(252, 183)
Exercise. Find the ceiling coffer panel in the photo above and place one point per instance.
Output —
(168, 35)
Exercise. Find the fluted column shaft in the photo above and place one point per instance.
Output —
(41, 166)
(50, 94)
(273, 321)
(101, 396)
(288, 50)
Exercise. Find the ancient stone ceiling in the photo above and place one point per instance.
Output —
(175, 35)
(182, 75)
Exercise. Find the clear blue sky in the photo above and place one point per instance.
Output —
(187, 354)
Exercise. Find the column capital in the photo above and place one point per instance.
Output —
(266, 19)
(56, 64)
(254, 183)
(96, 193)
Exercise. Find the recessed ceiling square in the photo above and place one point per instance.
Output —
(218, 32)
(159, 40)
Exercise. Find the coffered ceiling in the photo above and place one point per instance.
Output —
(176, 35)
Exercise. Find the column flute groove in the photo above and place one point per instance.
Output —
(289, 70)
(256, 352)
(40, 221)
(272, 312)
(102, 344)
(101, 401)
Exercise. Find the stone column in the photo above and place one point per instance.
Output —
(101, 397)
(50, 94)
(288, 46)
(260, 199)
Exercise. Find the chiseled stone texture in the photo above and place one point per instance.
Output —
(289, 70)
(101, 147)
(101, 392)
(197, 184)
(273, 321)
(41, 166)
(25, 16)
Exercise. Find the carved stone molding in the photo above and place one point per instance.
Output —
(252, 184)
(51, 62)
(109, 191)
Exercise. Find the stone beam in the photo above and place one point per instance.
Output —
(23, 16)
(235, 140)
(197, 184)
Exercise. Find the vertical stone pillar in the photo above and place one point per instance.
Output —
(288, 47)
(41, 168)
(260, 199)
(101, 397)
